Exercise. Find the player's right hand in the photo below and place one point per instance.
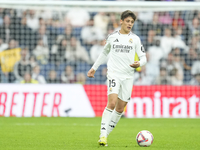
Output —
(91, 73)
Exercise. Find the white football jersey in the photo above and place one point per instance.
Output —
(122, 49)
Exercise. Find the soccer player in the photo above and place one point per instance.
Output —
(122, 46)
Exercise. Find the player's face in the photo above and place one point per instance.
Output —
(127, 24)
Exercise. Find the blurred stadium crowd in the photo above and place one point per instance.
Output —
(60, 47)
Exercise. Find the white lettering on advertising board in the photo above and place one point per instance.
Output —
(44, 100)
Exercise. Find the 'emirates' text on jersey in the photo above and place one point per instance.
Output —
(122, 49)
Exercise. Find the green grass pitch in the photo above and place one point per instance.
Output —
(82, 134)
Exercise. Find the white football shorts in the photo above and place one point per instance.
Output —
(121, 86)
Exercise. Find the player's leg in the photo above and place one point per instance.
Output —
(113, 88)
(116, 115)
(112, 100)
(123, 98)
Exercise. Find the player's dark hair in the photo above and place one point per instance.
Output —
(128, 13)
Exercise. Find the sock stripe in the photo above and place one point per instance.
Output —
(109, 109)
(117, 112)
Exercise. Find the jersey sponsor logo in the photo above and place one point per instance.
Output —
(122, 48)
(116, 40)
(142, 48)
(130, 41)
(115, 46)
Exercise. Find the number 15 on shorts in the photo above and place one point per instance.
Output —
(112, 83)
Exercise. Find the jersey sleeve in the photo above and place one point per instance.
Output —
(102, 57)
(141, 53)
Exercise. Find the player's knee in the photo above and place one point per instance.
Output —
(119, 109)
(111, 105)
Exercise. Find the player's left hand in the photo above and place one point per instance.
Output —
(136, 64)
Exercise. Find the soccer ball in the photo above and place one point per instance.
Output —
(144, 138)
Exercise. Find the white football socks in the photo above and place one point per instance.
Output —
(115, 117)
(104, 121)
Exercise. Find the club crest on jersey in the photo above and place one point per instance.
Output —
(130, 41)
(110, 89)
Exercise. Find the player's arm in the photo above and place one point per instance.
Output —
(102, 57)
(141, 54)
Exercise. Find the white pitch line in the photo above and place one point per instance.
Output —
(52, 124)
